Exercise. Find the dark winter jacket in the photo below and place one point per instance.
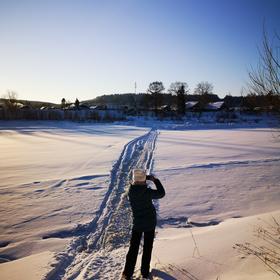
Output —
(143, 210)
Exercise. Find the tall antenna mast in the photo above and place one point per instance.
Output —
(135, 87)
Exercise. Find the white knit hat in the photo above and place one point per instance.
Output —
(138, 176)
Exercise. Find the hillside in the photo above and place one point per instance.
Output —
(33, 104)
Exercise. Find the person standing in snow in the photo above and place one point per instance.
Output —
(144, 221)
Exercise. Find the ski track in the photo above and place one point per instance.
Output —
(97, 249)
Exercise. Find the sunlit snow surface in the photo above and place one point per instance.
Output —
(211, 175)
(55, 175)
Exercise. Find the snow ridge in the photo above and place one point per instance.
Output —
(223, 164)
(97, 251)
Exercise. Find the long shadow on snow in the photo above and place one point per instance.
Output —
(162, 274)
(182, 222)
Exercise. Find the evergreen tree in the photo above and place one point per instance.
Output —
(181, 100)
(63, 103)
(179, 89)
(77, 103)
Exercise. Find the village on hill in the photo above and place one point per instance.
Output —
(154, 104)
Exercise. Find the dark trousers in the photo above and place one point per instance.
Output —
(131, 256)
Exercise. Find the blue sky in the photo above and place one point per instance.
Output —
(54, 49)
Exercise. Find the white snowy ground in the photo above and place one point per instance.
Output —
(211, 176)
(57, 175)
(53, 176)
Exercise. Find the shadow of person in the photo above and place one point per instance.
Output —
(162, 274)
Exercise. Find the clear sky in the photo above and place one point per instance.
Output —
(53, 49)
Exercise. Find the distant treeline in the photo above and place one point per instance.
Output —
(119, 106)
(145, 100)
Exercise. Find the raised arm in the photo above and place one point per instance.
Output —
(159, 192)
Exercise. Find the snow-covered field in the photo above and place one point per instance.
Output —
(64, 213)
(212, 177)
(53, 176)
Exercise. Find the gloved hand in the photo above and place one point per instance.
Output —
(151, 177)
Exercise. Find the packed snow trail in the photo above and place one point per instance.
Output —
(98, 250)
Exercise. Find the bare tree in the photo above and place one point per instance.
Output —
(265, 78)
(204, 88)
(205, 92)
(156, 88)
(11, 100)
(176, 86)
(267, 246)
